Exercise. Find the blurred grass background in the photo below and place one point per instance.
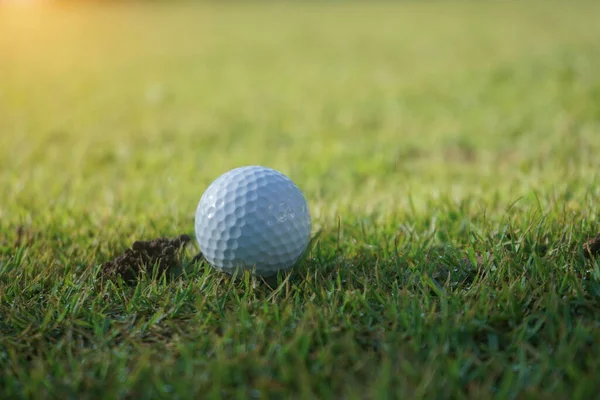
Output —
(132, 108)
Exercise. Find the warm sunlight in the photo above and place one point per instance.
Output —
(23, 2)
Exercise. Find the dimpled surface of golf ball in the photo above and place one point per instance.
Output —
(253, 218)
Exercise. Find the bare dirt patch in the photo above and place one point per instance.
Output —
(162, 253)
(591, 248)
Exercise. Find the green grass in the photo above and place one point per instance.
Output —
(449, 153)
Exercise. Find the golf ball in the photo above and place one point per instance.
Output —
(252, 218)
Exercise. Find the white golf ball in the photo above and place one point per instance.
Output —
(253, 218)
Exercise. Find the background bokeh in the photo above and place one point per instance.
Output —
(134, 108)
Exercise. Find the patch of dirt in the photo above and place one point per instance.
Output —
(162, 252)
(592, 247)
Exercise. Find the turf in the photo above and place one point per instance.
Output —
(448, 152)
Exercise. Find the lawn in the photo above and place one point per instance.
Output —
(449, 153)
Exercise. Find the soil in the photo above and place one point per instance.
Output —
(592, 247)
(163, 253)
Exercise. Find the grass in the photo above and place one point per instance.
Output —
(448, 151)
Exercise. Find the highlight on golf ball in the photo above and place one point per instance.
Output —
(253, 218)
